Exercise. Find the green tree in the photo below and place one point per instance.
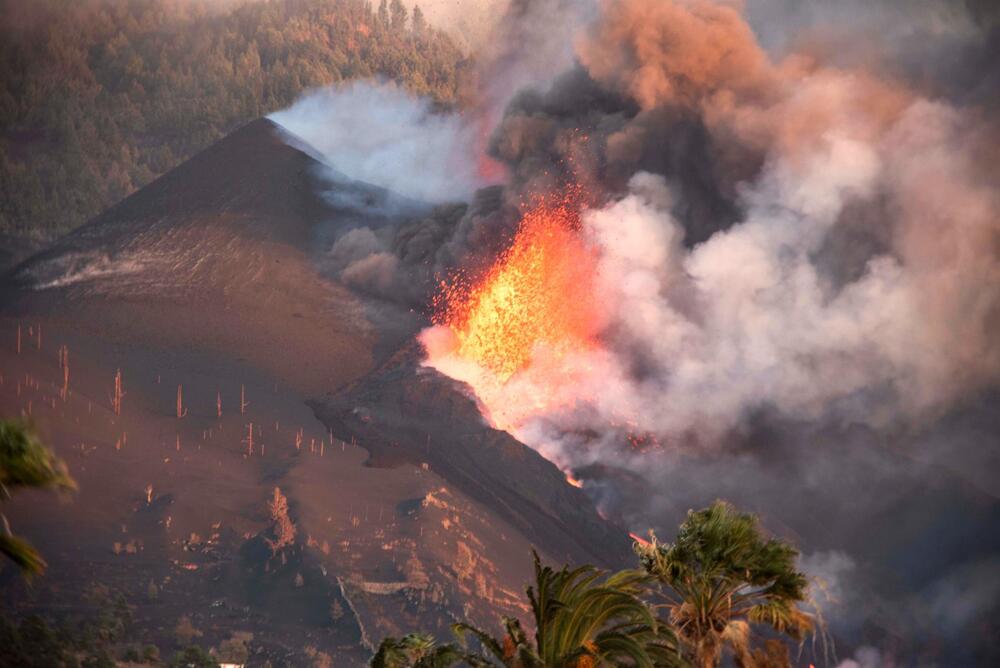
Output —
(419, 22)
(234, 650)
(99, 98)
(152, 591)
(417, 650)
(100, 659)
(26, 463)
(32, 644)
(185, 631)
(583, 618)
(722, 577)
(151, 654)
(398, 16)
(193, 657)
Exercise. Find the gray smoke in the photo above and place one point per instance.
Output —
(795, 213)
(800, 264)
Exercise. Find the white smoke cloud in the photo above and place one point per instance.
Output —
(380, 134)
(752, 318)
(856, 279)
(829, 573)
(743, 319)
(864, 657)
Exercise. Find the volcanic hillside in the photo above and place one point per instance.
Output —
(243, 369)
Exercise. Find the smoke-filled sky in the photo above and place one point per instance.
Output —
(794, 214)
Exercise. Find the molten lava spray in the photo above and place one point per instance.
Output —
(533, 311)
(537, 292)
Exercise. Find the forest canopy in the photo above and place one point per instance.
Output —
(99, 97)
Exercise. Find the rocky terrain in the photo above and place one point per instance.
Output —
(243, 369)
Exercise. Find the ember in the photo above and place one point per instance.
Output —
(539, 292)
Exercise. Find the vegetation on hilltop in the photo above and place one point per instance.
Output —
(99, 97)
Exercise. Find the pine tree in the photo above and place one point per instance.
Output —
(419, 24)
(399, 16)
(383, 13)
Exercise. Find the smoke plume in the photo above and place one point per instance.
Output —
(798, 277)
(384, 136)
(793, 217)
(857, 276)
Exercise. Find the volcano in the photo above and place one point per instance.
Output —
(245, 368)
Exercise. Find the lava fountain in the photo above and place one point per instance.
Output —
(522, 335)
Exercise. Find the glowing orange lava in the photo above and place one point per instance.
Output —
(539, 292)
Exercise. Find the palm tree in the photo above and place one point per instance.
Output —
(26, 462)
(582, 619)
(416, 650)
(721, 577)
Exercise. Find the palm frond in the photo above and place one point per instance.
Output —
(26, 462)
(22, 554)
(783, 617)
(488, 642)
(417, 650)
(725, 574)
(737, 636)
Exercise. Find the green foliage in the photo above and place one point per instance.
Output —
(21, 552)
(31, 644)
(90, 642)
(416, 651)
(233, 650)
(35, 644)
(150, 654)
(398, 16)
(152, 591)
(419, 21)
(98, 98)
(185, 631)
(720, 577)
(101, 659)
(193, 657)
(584, 617)
(26, 462)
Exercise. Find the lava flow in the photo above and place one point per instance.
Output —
(526, 321)
(539, 291)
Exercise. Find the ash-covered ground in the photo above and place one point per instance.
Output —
(409, 511)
